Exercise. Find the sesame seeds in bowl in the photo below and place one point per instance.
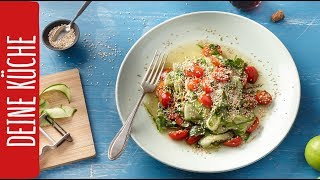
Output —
(63, 43)
(66, 41)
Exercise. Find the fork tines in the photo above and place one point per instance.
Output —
(155, 68)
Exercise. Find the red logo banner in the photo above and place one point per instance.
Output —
(19, 89)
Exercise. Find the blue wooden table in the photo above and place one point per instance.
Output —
(109, 29)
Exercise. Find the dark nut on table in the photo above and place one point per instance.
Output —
(277, 16)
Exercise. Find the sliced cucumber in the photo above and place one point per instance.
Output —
(242, 128)
(61, 112)
(60, 88)
(197, 131)
(238, 119)
(192, 111)
(42, 102)
(213, 122)
(220, 100)
(42, 105)
(69, 111)
(208, 140)
(221, 129)
(57, 113)
(151, 105)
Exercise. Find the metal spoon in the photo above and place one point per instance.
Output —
(66, 28)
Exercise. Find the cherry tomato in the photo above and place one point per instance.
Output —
(193, 139)
(206, 51)
(193, 84)
(263, 97)
(159, 88)
(206, 85)
(179, 134)
(252, 74)
(254, 126)
(177, 118)
(234, 142)
(165, 99)
(220, 75)
(164, 73)
(194, 71)
(215, 61)
(205, 99)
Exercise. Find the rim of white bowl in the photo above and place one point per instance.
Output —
(210, 12)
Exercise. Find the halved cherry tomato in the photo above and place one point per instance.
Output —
(220, 75)
(215, 61)
(159, 88)
(205, 99)
(252, 74)
(254, 126)
(234, 142)
(165, 99)
(206, 85)
(179, 134)
(206, 51)
(193, 139)
(176, 117)
(194, 71)
(263, 97)
(164, 73)
(193, 84)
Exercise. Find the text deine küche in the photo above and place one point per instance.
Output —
(21, 80)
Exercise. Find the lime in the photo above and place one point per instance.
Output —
(312, 153)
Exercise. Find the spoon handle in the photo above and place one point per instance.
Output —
(84, 6)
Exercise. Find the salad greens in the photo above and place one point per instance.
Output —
(206, 101)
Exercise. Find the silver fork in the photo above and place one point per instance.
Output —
(148, 84)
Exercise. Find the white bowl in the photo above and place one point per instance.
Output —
(273, 61)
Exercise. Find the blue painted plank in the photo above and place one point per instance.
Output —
(109, 29)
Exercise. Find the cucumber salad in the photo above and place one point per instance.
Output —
(210, 100)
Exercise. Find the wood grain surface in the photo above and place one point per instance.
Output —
(109, 29)
(78, 126)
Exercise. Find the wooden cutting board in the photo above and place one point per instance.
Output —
(78, 126)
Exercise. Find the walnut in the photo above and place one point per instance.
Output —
(277, 16)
